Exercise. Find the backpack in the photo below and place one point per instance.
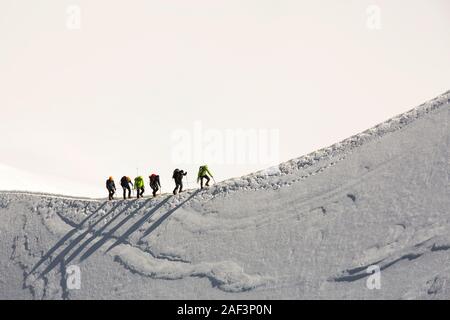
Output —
(202, 170)
(176, 173)
(110, 184)
(139, 182)
(153, 178)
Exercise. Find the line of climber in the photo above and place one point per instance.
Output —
(155, 184)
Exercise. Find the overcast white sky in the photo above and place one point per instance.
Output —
(81, 105)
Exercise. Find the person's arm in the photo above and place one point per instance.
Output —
(207, 170)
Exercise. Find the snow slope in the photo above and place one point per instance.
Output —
(308, 228)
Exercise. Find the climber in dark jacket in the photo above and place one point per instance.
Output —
(111, 186)
(178, 177)
(155, 184)
(125, 183)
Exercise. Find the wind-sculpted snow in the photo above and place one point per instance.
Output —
(310, 228)
(417, 251)
(225, 275)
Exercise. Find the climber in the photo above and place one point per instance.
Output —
(111, 186)
(178, 177)
(203, 173)
(154, 183)
(139, 186)
(125, 183)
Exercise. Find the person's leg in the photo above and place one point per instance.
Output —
(124, 193)
(201, 182)
(177, 187)
(129, 192)
(181, 186)
(207, 181)
(142, 192)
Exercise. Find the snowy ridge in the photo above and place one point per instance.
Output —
(332, 154)
(48, 195)
(329, 156)
(380, 200)
(347, 145)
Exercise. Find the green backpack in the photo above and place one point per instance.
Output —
(139, 182)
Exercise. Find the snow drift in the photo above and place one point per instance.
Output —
(308, 228)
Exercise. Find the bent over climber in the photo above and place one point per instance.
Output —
(139, 186)
(204, 173)
(154, 183)
(125, 183)
(178, 177)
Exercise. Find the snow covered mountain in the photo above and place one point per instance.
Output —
(308, 228)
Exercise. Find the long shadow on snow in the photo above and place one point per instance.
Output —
(167, 215)
(60, 258)
(63, 240)
(110, 233)
(133, 228)
(100, 231)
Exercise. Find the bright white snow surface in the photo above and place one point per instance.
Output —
(308, 228)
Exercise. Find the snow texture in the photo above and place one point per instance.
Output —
(308, 228)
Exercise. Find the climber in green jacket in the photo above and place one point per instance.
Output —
(139, 186)
(204, 173)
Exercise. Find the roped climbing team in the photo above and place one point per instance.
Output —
(155, 184)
